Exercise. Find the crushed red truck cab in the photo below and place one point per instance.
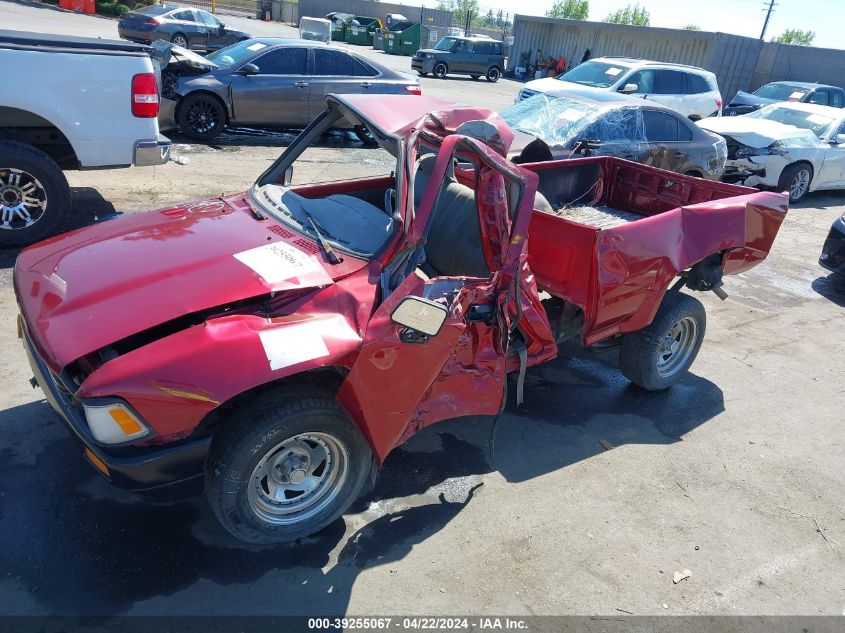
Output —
(274, 346)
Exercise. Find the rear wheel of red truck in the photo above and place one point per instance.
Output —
(286, 467)
(659, 355)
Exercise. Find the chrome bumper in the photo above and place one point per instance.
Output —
(148, 153)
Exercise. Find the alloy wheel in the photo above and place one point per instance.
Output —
(203, 117)
(180, 40)
(800, 183)
(23, 199)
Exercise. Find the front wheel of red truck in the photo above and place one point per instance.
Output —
(284, 468)
(659, 355)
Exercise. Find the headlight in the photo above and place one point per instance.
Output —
(113, 423)
(775, 149)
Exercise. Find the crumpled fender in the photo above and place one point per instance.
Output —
(174, 382)
(637, 261)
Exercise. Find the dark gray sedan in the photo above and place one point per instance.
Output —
(186, 27)
(267, 82)
(597, 122)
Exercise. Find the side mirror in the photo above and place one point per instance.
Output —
(629, 89)
(419, 315)
(839, 139)
(248, 69)
(287, 179)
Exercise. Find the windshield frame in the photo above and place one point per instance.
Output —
(781, 105)
(791, 89)
(451, 38)
(215, 57)
(328, 119)
(624, 71)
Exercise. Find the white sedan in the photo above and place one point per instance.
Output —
(795, 147)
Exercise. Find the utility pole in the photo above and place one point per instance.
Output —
(768, 16)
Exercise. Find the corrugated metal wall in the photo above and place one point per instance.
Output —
(799, 63)
(739, 63)
(319, 9)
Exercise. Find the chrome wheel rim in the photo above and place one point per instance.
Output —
(23, 199)
(180, 41)
(203, 117)
(298, 478)
(800, 184)
(676, 346)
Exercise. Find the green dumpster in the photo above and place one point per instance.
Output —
(359, 30)
(406, 38)
(339, 25)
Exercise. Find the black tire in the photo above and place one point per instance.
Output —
(236, 491)
(28, 174)
(201, 116)
(494, 73)
(422, 74)
(644, 357)
(364, 135)
(180, 39)
(476, 77)
(788, 180)
(440, 70)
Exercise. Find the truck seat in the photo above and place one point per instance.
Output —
(453, 247)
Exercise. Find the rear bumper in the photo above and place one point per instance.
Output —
(148, 153)
(136, 34)
(161, 473)
(833, 251)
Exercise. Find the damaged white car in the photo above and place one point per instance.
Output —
(795, 147)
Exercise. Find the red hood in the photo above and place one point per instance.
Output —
(84, 290)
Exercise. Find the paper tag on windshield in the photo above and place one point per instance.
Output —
(256, 47)
(818, 119)
(279, 262)
(612, 71)
(796, 96)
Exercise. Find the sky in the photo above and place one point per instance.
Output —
(740, 17)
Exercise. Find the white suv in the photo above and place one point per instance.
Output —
(689, 90)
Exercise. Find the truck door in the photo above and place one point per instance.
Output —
(403, 381)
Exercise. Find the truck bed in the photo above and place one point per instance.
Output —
(619, 232)
(23, 40)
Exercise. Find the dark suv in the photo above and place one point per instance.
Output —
(475, 55)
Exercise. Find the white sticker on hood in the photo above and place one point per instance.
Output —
(279, 262)
(612, 71)
(796, 96)
(294, 344)
(256, 47)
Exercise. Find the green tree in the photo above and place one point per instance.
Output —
(569, 9)
(631, 14)
(459, 9)
(796, 36)
(692, 27)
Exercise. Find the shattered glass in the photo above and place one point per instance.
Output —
(562, 122)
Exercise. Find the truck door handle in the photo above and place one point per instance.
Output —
(365, 84)
(301, 84)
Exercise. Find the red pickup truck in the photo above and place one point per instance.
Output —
(274, 346)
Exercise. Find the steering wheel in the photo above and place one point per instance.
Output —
(389, 201)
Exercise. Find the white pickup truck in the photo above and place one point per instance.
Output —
(95, 107)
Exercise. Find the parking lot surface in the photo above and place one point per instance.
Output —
(589, 499)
